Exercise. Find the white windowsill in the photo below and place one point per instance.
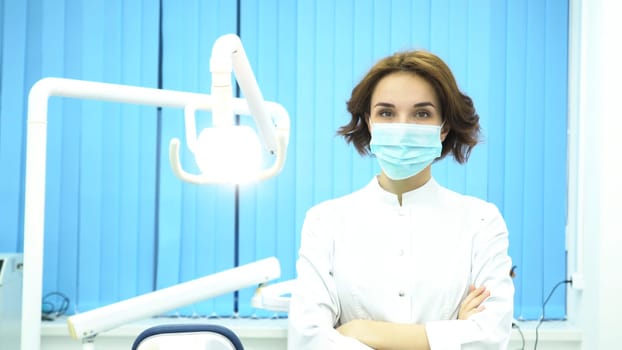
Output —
(271, 334)
(243, 327)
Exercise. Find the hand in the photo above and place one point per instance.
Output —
(354, 329)
(472, 304)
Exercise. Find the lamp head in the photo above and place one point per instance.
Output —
(229, 152)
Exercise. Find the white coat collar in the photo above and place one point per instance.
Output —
(424, 194)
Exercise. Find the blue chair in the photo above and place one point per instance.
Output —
(187, 337)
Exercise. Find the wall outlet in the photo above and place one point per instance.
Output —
(578, 281)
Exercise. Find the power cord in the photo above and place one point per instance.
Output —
(535, 345)
(522, 337)
(514, 324)
(54, 305)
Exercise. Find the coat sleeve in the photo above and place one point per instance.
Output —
(490, 267)
(314, 306)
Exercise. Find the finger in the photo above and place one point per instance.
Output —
(476, 298)
(473, 294)
(474, 311)
(481, 296)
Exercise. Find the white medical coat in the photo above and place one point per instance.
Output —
(363, 256)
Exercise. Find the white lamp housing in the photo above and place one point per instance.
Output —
(228, 153)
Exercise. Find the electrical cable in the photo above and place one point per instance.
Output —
(52, 310)
(522, 337)
(514, 325)
(535, 344)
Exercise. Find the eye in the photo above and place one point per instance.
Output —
(423, 114)
(384, 113)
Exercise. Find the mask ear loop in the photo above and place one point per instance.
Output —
(370, 127)
(442, 126)
(441, 132)
(368, 122)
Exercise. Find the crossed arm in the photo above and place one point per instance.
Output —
(385, 335)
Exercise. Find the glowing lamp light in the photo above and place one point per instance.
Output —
(229, 152)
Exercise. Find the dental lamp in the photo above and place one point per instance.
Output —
(272, 123)
(244, 161)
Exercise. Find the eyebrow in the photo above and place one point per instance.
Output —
(416, 105)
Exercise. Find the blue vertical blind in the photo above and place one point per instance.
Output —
(119, 224)
(100, 181)
(196, 223)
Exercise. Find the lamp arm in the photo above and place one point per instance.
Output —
(227, 54)
(34, 186)
(93, 322)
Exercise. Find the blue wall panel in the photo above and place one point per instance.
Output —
(533, 163)
(514, 133)
(99, 202)
(195, 222)
(554, 178)
(14, 90)
(477, 82)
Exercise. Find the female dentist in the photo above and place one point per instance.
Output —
(404, 263)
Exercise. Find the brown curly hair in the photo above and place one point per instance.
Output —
(457, 109)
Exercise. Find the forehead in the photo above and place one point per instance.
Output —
(404, 88)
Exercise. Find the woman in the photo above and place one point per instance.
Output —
(405, 263)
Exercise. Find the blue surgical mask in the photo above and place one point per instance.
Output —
(403, 150)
